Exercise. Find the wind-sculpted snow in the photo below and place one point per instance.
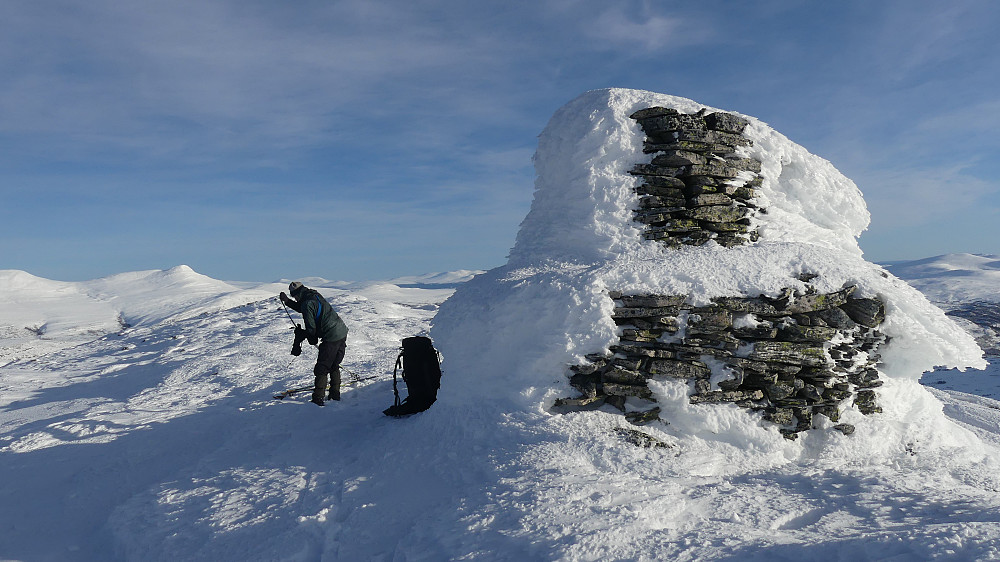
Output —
(584, 194)
(509, 336)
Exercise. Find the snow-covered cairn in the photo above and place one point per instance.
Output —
(684, 265)
(789, 357)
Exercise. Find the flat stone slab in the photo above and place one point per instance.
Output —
(726, 122)
(566, 405)
(717, 137)
(640, 439)
(812, 334)
(643, 418)
(652, 301)
(618, 389)
(677, 369)
(867, 312)
(799, 304)
(787, 352)
(726, 396)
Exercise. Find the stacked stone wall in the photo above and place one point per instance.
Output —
(697, 188)
(791, 358)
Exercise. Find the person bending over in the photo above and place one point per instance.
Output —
(321, 323)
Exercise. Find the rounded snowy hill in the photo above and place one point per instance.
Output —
(41, 314)
(512, 333)
(953, 278)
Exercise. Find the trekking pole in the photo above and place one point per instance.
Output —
(289, 314)
(357, 377)
(294, 325)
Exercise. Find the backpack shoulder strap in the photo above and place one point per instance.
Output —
(395, 388)
(319, 308)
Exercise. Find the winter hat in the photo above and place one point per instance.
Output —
(294, 287)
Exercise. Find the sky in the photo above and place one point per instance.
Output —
(258, 140)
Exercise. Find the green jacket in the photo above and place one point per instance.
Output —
(319, 317)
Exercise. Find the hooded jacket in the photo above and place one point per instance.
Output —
(321, 321)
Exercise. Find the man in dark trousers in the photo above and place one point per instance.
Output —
(321, 322)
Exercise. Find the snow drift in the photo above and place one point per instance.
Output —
(512, 332)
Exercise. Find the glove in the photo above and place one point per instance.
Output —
(300, 335)
(284, 298)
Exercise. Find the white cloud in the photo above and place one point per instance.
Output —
(964, 119)
(644, 31)
(224, 74)
(916, 36)
(907, 197)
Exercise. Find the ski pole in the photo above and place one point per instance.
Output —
(357, 378)
(289, 314)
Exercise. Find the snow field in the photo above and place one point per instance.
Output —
(177, 412)
(162, 443)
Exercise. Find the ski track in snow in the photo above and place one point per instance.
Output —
(163, 443)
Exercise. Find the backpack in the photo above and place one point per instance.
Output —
(418, 362)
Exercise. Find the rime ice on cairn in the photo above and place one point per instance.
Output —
(679, 261)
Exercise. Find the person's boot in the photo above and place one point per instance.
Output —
(319, 388)
(334, 385)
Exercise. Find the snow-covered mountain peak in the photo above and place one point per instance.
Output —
(935, 265)
(12, 281)
(953, 278)
(65, 313)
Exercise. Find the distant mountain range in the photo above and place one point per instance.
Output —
(965, 286)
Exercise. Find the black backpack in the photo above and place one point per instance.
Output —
(418, 362)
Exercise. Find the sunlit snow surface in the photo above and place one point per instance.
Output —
(162, 442)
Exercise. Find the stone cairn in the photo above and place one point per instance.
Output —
(790, 357)
(696, 188)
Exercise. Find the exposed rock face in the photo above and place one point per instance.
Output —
(791, 357)
(697, 188)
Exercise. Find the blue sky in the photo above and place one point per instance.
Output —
(361, 139)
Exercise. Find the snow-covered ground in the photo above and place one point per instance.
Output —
(137, 420)
(161, 442)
